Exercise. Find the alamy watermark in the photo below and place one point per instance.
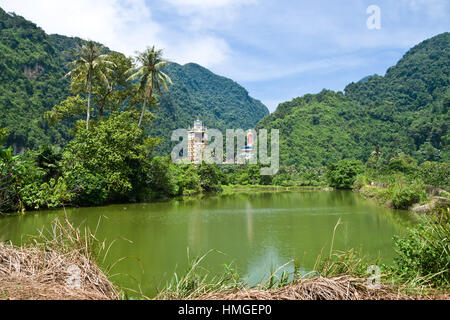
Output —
(374, 20)
(374, 280)
(74, 280)
(200, 144)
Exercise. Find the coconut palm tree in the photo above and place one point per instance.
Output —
(149, 75)
(89, 65)
(377, 154)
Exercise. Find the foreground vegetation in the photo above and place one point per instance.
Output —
(62, 263)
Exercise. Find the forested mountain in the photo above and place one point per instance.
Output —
(404, 111)
(32, 69)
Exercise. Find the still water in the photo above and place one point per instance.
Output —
(257, 232)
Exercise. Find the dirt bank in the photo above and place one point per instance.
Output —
(338, 288)
(45, 274)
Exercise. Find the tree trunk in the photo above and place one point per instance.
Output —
(102, 106)
(142, 112)
(144, 105)
(89, 105)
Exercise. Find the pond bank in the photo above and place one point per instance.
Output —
(30, 273)
(59, 264)
(432, 200)
(229, 189)
(336, 288)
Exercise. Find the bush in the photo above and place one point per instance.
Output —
(342, 175)
(11, 171)
(405, 195)
(404, 164)
(361, 180)
(189, 180)
(88, 188)
(50, 194)
(163, 178)
(436, 174)
(424, 253)
(210, 178)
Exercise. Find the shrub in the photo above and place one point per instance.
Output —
(189, 180)
(361, 180)
(342, 175)
(406, 195)
(423, 254)
(111, 159)
(50, 194)
(436, 174)
(163, 177)
(404, 164)
(210, 178)
(88, 188)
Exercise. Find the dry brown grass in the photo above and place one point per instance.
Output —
(337, 288)
(41, 269)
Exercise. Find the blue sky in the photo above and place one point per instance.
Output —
(277, 50)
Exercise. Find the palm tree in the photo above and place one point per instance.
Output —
(377, 153)
(89, 65)
(150, 75)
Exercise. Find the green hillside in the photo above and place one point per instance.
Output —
(405, 111)
(31, 82)
(32, 69)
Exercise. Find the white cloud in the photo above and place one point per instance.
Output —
(206, 51)
(110, 22)
(432, 8)
(122, 25)
(209, 14)
(193, 5)
(259, 70)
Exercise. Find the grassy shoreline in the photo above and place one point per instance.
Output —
(432, 199)
(229, 189)
(226, 190)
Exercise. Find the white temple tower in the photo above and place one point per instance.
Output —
(197, 141)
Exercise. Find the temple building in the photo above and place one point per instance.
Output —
(248, 148)
(247, 152)
(197, 141)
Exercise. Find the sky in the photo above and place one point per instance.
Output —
(277, 50)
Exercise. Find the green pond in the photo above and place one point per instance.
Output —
(256, 231)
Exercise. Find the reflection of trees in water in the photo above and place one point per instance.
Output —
(400, 219)
(249, 216)
(341, 197)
